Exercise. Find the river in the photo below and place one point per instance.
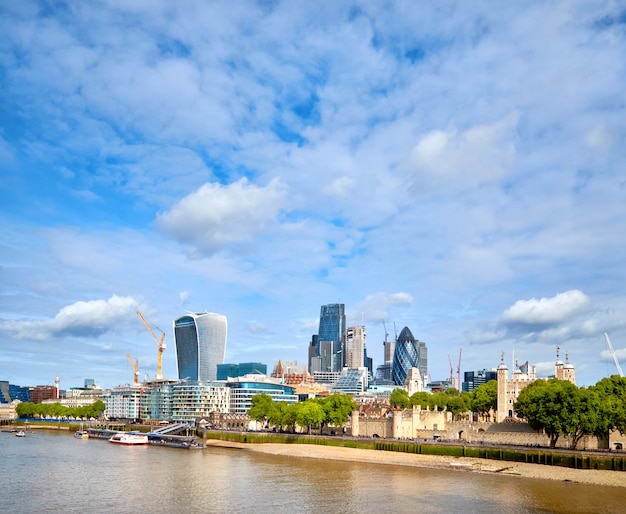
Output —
(49, 471)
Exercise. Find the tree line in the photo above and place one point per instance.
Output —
(558, 407)
(333, 410)
(56, 410)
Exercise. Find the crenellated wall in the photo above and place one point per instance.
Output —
(430, 425)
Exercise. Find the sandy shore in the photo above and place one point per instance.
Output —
(469, 464)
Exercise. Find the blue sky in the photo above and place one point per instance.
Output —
(455, 167)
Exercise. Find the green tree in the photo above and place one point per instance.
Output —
(551, 406)
(400, 398)
(262, 408)
(612, 393)
(309, 413)
(282, 416)
(421, 398)
(26, 410)
(589, 417)
(485, 398)
(337, 408)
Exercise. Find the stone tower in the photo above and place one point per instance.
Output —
(503, 376)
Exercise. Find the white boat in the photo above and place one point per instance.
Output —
(130, 439)
(81, 434)
(20, 433)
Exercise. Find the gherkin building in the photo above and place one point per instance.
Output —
(405, 357)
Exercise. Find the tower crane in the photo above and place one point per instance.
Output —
(614, 355)
(458, 372)
(162, 346)
(135, 366)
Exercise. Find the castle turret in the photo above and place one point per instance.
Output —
(503, 375)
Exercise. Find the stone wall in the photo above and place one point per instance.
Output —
(437, 425)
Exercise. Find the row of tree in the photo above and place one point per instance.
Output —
(332, 410)
(56, 410)
(559, 408)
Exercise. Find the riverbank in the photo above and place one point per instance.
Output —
(466, 464)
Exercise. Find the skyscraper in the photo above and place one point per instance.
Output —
(326, 351)
(355, 347)
(406, 356)
(200, 345)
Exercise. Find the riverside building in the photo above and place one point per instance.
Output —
(200, 345)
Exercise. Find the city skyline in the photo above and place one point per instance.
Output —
(453, 168)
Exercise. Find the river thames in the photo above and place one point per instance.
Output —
(50, 471)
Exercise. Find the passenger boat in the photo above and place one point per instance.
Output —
(20, 433)
(81, 434)
(129, 439)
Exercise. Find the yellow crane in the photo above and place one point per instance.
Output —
(162, 346)
(135, 366)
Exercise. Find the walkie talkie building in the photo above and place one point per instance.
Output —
(200, 345)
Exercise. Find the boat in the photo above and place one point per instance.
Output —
(20, 433)
(129, 439)
(81, 434)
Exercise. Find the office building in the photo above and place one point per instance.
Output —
(200, 345)
(406, 356)
(355, 347)
(40, 393)
(327, 349)
(474, 379)
(224, 371)
(243, 389)
(352, 381)
(422, 359)
(11, 392)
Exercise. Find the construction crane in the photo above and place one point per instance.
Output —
(458, 372)
(451, 370)
(135, 366)
(162, 346)
(614, 355)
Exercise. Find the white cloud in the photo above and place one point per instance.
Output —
(339, 187)
(375, 307)
(216, 216)
(453, 158)
(546, 311)
(183, 296)
(78, 319)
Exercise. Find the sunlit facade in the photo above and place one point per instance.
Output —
(200, 345)
(243, 389)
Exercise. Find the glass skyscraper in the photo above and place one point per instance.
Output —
(408, 354)
(200, 345)
(327, 347)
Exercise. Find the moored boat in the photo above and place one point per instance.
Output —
(81, 434)
(129, 439)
